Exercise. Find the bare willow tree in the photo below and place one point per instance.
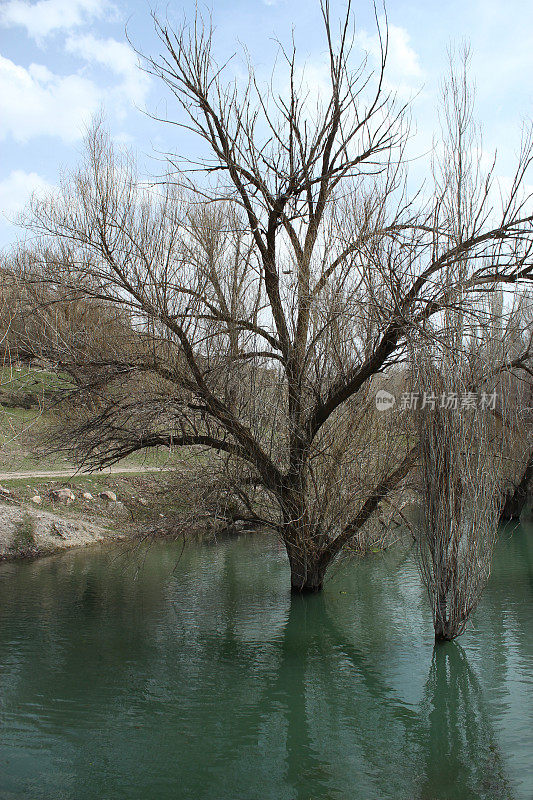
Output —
(461, 467)
(463, 370)
(472, 432)
(268, 295)
(520, 392)
(517, 497)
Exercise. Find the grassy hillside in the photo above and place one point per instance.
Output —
(25, 420)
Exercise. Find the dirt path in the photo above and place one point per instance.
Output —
(68, 473)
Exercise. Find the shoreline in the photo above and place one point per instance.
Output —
(28, 533)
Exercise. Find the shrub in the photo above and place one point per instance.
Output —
(24, 533)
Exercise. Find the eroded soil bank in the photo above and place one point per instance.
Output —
(29, 533)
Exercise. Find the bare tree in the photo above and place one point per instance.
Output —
(517, 498)
(461, 468)
(267, 297)
(520, 390)
(463, 368)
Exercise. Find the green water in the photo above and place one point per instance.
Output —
(147, 675)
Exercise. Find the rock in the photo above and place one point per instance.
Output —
(37, 500)
(142, 501)
(62, 529)
(4, 491)
(64, 495)
(87, 496)
(109, 496)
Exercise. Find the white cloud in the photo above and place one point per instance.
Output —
(16, 190)
(124, 138)
(36, 102)
(403, 70)
(118, 57)
(42, 18)
(314, 77)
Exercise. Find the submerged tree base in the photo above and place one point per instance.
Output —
(516, 500)
(449, 631)
(307, 573)
(442, 638)
(312, 588)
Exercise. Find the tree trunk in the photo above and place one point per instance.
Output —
(307, 568)
(442, 628)
(517, 498)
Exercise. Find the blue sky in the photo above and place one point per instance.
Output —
(63, 61)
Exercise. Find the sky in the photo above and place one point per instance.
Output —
(64, 61)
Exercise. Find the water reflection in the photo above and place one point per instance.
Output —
(146, 677)
(463, 757)
(338, 709)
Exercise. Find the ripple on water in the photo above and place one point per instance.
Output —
(200, 677)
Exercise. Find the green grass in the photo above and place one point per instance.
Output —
(41, 383)
(23, 430)
(127, 487)
(147, 496)
(157, 492)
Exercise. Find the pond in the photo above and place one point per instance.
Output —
(164, 674)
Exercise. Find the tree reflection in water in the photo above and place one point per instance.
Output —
(463, 758)
(201, 677)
